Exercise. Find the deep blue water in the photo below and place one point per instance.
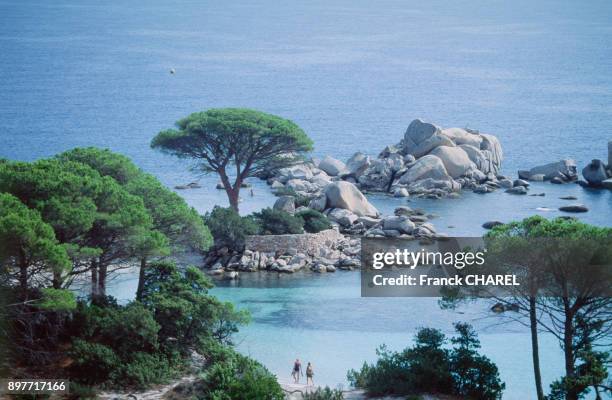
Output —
(353, 74)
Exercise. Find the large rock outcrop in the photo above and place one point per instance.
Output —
(347, 196)
(428, 161)
(426, 167)
(455, 160)
(445, 159)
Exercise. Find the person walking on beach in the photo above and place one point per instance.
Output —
(309, 374)
(297, 370)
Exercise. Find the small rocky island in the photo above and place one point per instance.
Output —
(429, 161)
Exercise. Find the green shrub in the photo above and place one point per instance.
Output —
(145, 369)
(124, 329)
(140, 344)
(475, 376)
(314, 221)
(277, 222)
(116, 345)
(186, 312)
(324, 394)
(93, 362)
(430, 368)
(240, 378)
(228, 228)
(423, 368)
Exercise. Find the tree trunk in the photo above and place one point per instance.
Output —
(568, 349)
(94, 278)
(535, 351)
(141, 278)
(233, 192)
(233, 195)
(23, 272)
(102, 272)
(57, 280)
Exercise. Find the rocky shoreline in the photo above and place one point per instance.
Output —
(429, 161)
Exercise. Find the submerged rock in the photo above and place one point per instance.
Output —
(557, 180)
(574, 208)
(520, 182)
(491, 224)
(517, 190)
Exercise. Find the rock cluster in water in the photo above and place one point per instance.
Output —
(429, 161)
(596, 174)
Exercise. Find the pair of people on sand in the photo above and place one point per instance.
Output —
(297, 371)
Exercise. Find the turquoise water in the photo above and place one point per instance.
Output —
(323, 319)
(353, 74)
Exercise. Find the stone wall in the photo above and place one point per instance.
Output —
(307, 243)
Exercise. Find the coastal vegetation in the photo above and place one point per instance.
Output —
(567, 266)
(235, 144)
(314, 221)
(228, 228)
(78, 218)
(86, 214)
(278, 222)
(430, 367)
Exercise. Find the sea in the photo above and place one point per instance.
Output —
(352, 74)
